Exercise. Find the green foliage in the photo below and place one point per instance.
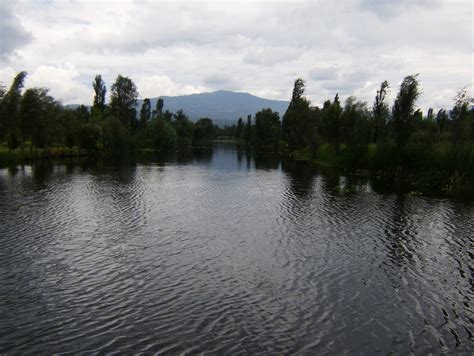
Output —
(331, 125)
(298, 123)
(159, 108)
(98, 106)
(239, 130)
(145, 113)
(403, 109)
(123, 98)
(267, 128)
(203, 132)
(432, 152)
(10, 112)
(184, 129)
(163, 134)
(380, 111)
(248, 130)
(113, 135)
(90, 138)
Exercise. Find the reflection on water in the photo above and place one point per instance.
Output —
(222, 251)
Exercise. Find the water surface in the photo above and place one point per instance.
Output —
(223, 252)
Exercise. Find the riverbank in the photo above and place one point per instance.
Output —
(26, 155)
(432, 173)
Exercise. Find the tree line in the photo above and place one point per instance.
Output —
(432, 150)
(35, 120)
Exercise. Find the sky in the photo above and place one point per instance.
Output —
(177, 48)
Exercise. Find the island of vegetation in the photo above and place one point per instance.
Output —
(432, 151)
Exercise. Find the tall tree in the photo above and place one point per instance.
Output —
(298, 91)
(298, 120)
(239, 131)
(331, 122)
(159, 107)
(100, 90)
(380, 110)
(404, 107)
(462, 122)
(248, 129)
(123, 98)
(145, 112)
(11, 124)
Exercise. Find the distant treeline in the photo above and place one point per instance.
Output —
(34, 120)
(434, 151)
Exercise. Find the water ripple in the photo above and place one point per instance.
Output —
(203, 258)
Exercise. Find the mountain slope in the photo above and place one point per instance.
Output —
(223, 106)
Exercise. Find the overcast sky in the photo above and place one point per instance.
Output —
(347, 47)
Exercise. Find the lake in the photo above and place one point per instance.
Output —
(223, 252)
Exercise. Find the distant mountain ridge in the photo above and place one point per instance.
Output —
(223, 106)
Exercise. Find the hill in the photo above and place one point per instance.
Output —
(223, 106)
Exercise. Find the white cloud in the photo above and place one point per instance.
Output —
(155, 85)
(181, 48)
(61, 80)
(12, 33)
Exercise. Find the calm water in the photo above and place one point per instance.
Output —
(224, 253)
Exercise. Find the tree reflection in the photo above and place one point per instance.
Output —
(203, 154)
(266, 160)
(300, 175)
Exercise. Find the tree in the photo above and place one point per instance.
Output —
(10, 112)
(163, 134)
(297, 123)
(203, 132)
(31, 117)
(39, 116)
(430, 114)
(462, 121)
(239, 131)
(184, 128)
(331, 122)
(145, 113)
(248, 129)
(404, 107)
(123, 98)
(380, 110)
(442, 120)
(159, 108)
(267, 127)
(100, 90)
(355, 131)
(298, 91)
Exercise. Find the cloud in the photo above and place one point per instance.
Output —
(323, 73)
(12, 33)
(180, 48)
(61, 80)
(220, 81)
(388, 8)
(153, 86)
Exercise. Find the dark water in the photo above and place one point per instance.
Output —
(224, 253)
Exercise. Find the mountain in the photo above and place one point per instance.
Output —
(223, 106)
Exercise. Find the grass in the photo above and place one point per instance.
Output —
(17, 156)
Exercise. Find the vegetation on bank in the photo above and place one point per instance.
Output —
(432, 151)
(33, 124)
